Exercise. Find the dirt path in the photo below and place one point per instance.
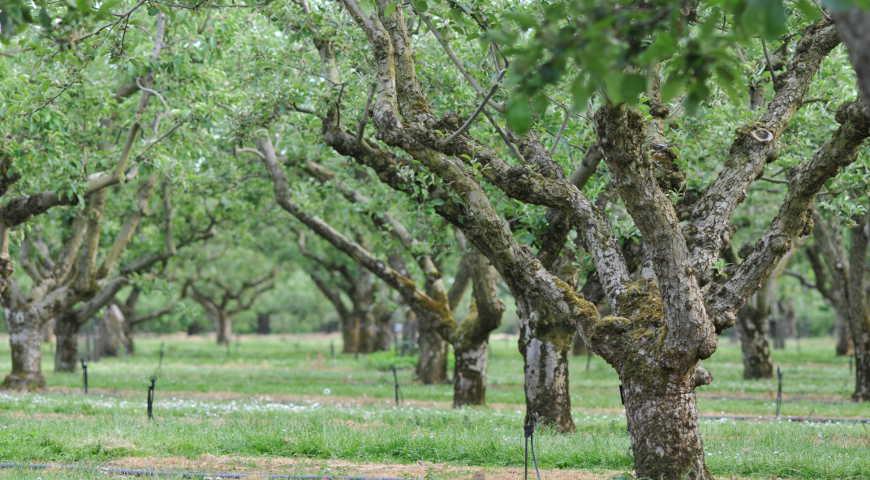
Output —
(262, 467)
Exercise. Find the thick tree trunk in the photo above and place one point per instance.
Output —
(25, 340)
(224, 327)
(844, 337)
(350, 341)
(469, 375)
(66, 351)
(663, 426)
(432, 362)
(548, 400)
(753, 343)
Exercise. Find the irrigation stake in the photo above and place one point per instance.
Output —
(778, 391)
(588, 359)
(331, 349)
(151, 398)
(84, 375)
(395, 383)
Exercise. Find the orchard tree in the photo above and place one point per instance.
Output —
(665, 316)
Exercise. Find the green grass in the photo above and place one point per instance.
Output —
(69, 427)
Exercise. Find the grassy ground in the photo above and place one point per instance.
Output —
(287, 397)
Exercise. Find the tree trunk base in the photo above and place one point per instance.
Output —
(24, 381)
(663, 426)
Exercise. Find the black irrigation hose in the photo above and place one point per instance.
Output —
(529, 434)
(137, 472)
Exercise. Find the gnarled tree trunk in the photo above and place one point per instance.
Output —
(25, 340)
(753, 343)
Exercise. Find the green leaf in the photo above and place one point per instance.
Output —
(581, 90)
(631, 86)
(519, 114)
(420, 6)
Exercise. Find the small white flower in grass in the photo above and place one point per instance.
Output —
(327, 391)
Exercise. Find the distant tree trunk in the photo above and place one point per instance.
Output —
(263, 324)
(471, 337)
(844, 337)
(66, 352)
(350, 341)
(110, 332)
(859, 310)
(432, 362)
(224, 327)
(382, 340)
(548, 399)
(25, 340)
(469, 377)
(753, 343)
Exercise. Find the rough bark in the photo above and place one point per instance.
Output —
(663, 426)
(545, 374)
(24, 343)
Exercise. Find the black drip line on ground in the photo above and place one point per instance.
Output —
(529, 434)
